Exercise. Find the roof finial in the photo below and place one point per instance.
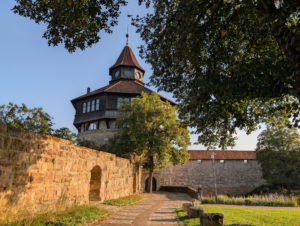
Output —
(127, 36)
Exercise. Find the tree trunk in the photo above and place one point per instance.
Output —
(288, 186)
(150, 179)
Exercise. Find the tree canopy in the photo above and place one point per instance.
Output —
(75, 23)
(33, 120)
(151, 130)
(278, 152)
(231, 64)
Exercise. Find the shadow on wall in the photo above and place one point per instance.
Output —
(95, 184)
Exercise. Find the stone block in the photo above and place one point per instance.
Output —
(3, 128)
(185, 206)
(212, 219)
(16, 132)
(194, 212)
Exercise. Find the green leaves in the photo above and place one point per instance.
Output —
(75, 23)
(33, 120)
(230, 64)
(278, 152)
(150, 129)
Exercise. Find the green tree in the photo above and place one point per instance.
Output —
(151, 130)
(65, 133)
(75, 23)
(33, 120)
(231, 64)
(278, 152)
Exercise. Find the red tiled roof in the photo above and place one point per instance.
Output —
(122, 86)
(127, 58)
(219, 155)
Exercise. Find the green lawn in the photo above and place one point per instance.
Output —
(257, 217)
(129, 200)
(79, 215)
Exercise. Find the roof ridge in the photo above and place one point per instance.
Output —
(111, 86)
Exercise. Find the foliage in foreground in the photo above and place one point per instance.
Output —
(129, 200)
(151, 130)
(269, 188)
(255, 200)
(33, 120)
(79, 215)
(278, 152)
(231, 64)
(235, 215)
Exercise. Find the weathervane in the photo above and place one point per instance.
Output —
(127, 36)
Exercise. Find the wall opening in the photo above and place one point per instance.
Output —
(153, 184)
(95, 184)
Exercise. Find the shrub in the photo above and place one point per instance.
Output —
(256, 200)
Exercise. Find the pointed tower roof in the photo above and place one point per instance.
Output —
(126, 58)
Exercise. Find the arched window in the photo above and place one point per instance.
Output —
(92, 126)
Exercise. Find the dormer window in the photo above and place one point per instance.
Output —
(84, 108)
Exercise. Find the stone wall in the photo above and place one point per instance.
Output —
(100, 137)
(40, 173)
(234, 177)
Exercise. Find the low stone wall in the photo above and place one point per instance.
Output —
(234, 177)
(40, 173)
(180, 189)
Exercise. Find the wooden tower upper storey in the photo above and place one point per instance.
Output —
(126, 67)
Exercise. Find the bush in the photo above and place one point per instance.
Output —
(256, 200)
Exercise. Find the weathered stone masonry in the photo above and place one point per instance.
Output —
(237, 172)
(42, 172)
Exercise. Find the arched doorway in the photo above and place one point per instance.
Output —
(153, 184)
(95, 184)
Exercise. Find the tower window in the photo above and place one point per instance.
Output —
(127, 99)
(88, 106)
(97, 104)
(92, 126)
(93, 105)
(84, 108)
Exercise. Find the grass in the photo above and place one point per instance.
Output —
(129, 200)
(79, 215)
(256, 200)
(258, 217)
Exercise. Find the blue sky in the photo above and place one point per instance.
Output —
(33, 73)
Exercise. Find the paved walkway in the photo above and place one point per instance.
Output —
(155, 209)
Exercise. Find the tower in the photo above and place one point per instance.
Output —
(97, 111)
